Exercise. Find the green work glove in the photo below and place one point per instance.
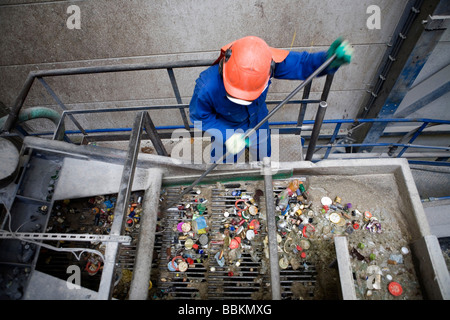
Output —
(343, 51)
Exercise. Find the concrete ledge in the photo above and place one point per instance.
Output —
(433, 270)
(45, 287)
(345, 269)
(430, 262)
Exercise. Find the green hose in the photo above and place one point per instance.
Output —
(37, 113)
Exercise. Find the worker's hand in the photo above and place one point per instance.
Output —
(235, 143)
(343, 51)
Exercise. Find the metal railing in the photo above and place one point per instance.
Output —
(391, 147)
(150, 129)
(156, 133)
(404, 143)
(290, 127)
(41, 74)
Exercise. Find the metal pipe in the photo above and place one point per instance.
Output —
(18, 103)
(372, 155)
(180, 106)
(121, 68)
(333, 138)
(430, 163)
(61, 105)
(301, 114)
(382, 144)
(162, 107)
(176, 91)
(146, 242)
(154, 136)
(60, 130)
(415, 133)
(435, 199)
(327, 87)
(102, 154)
(316, 130)
(272, 230)
(275, 123)
(111, 252)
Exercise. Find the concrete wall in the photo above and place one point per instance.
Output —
(35, 36)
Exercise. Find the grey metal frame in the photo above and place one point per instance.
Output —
(66, 237)
(398, 167)
(111, 252)
(150, 128)
(18, 104)
(271, 230)
(142, 121)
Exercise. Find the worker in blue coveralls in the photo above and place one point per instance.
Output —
(229, 97)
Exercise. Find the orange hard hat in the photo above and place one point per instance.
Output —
(247, 67)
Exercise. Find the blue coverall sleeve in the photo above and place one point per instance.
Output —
(201, 110)
(300, 65)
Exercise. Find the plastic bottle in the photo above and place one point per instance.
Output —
(283, 199)
(286, 193)
(294, 185)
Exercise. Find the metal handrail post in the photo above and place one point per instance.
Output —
(60, 103)
(112, 249)
(316, 130)
(271, 230)
(416, 134)
(333, 138)
(176, 91)
(302, 111)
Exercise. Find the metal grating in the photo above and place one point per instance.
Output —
(174, 284)
(251, 276)
(249, 280)
(206, 279)
(305, 274)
